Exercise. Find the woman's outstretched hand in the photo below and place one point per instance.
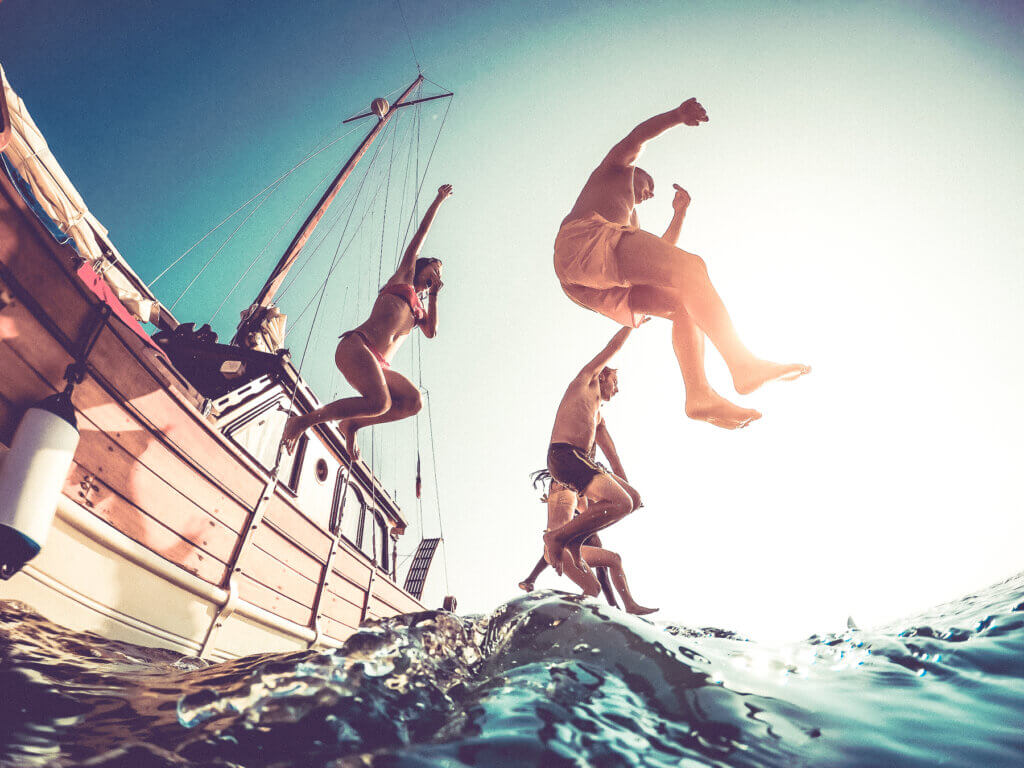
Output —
(445, 190)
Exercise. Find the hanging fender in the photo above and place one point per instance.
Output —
(32, 475)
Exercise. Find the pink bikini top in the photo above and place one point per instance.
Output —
(407, 293)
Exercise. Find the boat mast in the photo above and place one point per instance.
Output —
(254, 316)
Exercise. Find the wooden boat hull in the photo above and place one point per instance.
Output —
(168, 532)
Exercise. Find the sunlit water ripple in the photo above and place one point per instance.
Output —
(545, 680)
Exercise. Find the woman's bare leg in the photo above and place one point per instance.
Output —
(405, 401)
(364, 373)
(648, 261)
(597, 557)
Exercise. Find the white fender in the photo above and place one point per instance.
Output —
(32, 476)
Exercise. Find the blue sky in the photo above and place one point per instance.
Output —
(856, 197)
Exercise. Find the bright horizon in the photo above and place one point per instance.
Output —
(855, 196)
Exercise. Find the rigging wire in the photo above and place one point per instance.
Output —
(408, 35)
(355, 233)
(431, 156)
(437, 492)
(273, 237)
(308, 257)
(271, 186)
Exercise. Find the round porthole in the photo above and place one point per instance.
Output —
(321, 471)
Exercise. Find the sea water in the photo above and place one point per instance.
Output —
(547, 679)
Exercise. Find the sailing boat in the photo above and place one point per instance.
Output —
(180, 522)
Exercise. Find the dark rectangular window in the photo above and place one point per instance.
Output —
(293, 476)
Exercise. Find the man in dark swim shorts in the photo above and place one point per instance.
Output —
(578, 424)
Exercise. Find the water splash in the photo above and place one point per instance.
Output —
(546, 679)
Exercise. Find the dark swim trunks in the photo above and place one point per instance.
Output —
(570, 465)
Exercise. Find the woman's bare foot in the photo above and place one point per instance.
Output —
(711, 407)
(293, 429)
(526, 586)
(348, 431)
(639, 610)
(749, 377)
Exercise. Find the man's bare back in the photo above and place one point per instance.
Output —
(609, 192)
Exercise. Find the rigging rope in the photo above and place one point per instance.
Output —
(308, 257)
(273, 237)
(406, 23)
(272, 185)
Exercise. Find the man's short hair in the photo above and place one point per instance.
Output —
(638, 169)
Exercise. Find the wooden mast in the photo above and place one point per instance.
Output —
(254, 317)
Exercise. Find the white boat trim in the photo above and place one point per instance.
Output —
(77, 517)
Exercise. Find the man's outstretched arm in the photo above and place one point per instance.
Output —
(593, 368)
(690, 112)
(604, 441)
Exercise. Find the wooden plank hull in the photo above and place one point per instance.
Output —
(150, 541)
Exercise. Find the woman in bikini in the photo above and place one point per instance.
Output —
(364, 353)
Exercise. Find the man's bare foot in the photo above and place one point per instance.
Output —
(526, 586)
(293, 429)
(711, 407)
(639, 610)
(553, 549)
(348, 431)
(759, 372)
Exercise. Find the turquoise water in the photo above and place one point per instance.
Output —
(545, 680)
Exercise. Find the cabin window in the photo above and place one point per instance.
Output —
(259, 434)
(373, 539)
(296, 468)
(382, 544)
(321, 471)
(352, 502)
(350, 517)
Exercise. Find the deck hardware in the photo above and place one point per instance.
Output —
(88, 485)
(6, 297)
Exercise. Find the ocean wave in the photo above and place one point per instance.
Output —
(547, 679)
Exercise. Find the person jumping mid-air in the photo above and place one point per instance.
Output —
(607, 264)
(562, 502)
(555, 496)
(610, 497)
(364, 353)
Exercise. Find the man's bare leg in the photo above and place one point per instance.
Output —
(527, 584)
(647, 260)
(599, 557)
(702, 402)
(608, 504)
(406, 401)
